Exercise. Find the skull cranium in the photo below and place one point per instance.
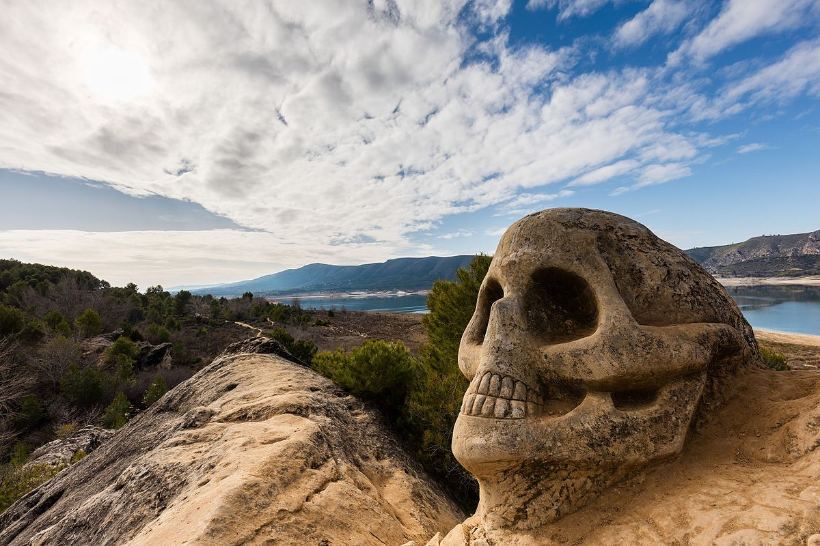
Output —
(592, 348)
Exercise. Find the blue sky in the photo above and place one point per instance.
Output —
(211, 142)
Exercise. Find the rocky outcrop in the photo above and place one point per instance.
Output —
(154, 355)
(64, 451)
(764, 256)
(253, 449)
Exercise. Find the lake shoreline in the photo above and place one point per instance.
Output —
(807, 340)
(811, 280)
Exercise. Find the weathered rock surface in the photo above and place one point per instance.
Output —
(61, 452)
(750, 476)
(253, 449)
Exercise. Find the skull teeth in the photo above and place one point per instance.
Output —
(501, 397)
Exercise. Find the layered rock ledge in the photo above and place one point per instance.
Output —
(253, 449)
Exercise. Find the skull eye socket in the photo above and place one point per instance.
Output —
(491, 293)
(560, 306)
(635, 399)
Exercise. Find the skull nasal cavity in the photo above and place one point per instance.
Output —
(560, 306)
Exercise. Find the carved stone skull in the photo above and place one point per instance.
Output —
(593, 346)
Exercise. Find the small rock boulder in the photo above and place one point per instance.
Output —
(154, 355)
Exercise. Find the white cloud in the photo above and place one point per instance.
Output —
(525, 203)
(650, 212)
(456, 234)
(497, 232)
(602, 174)
(489, 12)
(752, 147)
(569, 8)
(317, 124)
(660, 173)
(796, 73)
(336, 132)
(741, 20)
(661, 17)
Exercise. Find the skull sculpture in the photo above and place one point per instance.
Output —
(593, 346)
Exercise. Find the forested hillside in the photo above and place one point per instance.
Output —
(397, 274)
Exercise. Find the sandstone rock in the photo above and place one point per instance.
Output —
(94, 347)
(253, 449)
(260, 345)
(749, 476)
(61, 452)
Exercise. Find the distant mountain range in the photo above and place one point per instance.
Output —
(399, 274)
(765, 256)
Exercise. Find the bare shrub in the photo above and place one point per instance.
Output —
(54, 357)
(14, 384)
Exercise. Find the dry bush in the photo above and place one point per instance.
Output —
(54, 357)
(14, 384)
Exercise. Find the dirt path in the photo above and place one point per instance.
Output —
(258, 331)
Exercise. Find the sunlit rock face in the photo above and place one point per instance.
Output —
(593, 348)
(253, 449)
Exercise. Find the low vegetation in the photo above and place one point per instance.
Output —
(379, 371)
(420, 396)
(76, 351)
(17, 480)
(302, 349)
(774, 359)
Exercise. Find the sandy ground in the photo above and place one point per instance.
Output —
(775, 336)
(813, 280)
(802, 351)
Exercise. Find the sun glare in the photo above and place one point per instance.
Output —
(117, 75)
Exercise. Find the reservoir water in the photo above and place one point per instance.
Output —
(789, 308)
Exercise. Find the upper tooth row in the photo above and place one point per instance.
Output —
(482, 405)
(503, 386)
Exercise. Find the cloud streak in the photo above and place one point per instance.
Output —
(742, 20)
(752, 147)
(661, 17)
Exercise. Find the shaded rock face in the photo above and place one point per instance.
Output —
(253, 449)
(154, 355)
(593, 348)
